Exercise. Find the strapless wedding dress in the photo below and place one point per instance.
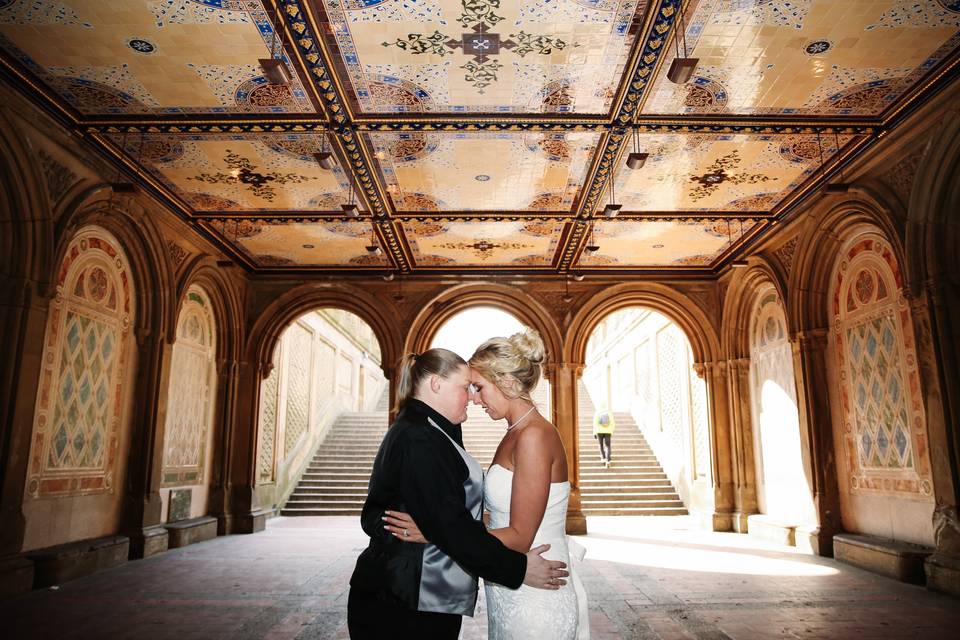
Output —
(528, 613)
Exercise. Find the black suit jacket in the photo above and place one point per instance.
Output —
(418, 471)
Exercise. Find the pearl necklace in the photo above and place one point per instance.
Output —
(521, 419)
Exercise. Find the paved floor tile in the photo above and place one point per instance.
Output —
(647, 579)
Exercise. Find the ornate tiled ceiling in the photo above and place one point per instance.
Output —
(481, 135)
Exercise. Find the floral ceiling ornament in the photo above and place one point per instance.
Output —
(717, 174)
(483, 248)
(242, 170)
(480, 43)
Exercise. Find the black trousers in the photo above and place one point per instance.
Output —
(377, 616)
(604, 440)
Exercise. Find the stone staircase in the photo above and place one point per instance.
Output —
(635, 485)
(335, 482)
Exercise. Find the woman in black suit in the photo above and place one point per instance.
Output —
(403, 589)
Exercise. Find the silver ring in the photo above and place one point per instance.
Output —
(406, 534)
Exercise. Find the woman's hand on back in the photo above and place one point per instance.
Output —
(401, 525)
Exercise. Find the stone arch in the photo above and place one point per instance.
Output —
(820, 243)
(272, 321)
(681, 309)
(190, 401)
(711, 494)
(460, 298)
(131, 224)
(87, 371)
(932, 234)
(225, 300)
(745, 286)
(24, 208)
(933, 252)
(884, 446)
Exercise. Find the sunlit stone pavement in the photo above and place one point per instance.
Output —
(646, 578)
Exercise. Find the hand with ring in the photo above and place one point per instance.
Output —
(401, 525)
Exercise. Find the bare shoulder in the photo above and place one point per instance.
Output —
(540, 432)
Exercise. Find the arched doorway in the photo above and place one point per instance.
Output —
(639, 368)
(783, 493)
(325, 393)
(462, 333)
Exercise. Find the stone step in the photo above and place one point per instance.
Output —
(599, 492)
(325, 511)
(307, 487)
(613, 483)
(635, 511)
(314, 475)
(298, 499)
(669, 498)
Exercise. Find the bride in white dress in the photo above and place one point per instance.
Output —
(526, 492)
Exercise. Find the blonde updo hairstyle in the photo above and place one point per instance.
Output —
(417, 367)
(513, 364)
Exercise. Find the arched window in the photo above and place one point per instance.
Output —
(884, 429)
(85, 354)
(782, 489)
(191, 392)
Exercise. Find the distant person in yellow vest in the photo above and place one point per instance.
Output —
(603, 426)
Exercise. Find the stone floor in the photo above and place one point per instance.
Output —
(646, 578)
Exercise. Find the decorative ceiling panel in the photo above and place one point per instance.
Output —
(319, 243)
(252, 172)
(719, 172)
(684, 242)
(811, 57)
(483, 243)
(171, 56)
(483, 171)
(441, 56)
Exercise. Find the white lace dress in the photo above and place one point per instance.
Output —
(528, 613)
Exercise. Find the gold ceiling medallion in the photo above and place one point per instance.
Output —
(483, 248)
(717, 174)
(242, 171)
(480, 43)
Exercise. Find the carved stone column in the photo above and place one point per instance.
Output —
(816, 440)
(741, 425)
(23, 321)
(564, 378)
(142, 504)
(937, 323)
(242, 512)
(721, 455)
(228, 382)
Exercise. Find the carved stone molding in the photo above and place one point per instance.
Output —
(900, 177)
(177, 253)
(58, 177)
(785, 253)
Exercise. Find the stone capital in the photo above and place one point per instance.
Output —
(575, 368)
(716, 369)
(811, 339)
